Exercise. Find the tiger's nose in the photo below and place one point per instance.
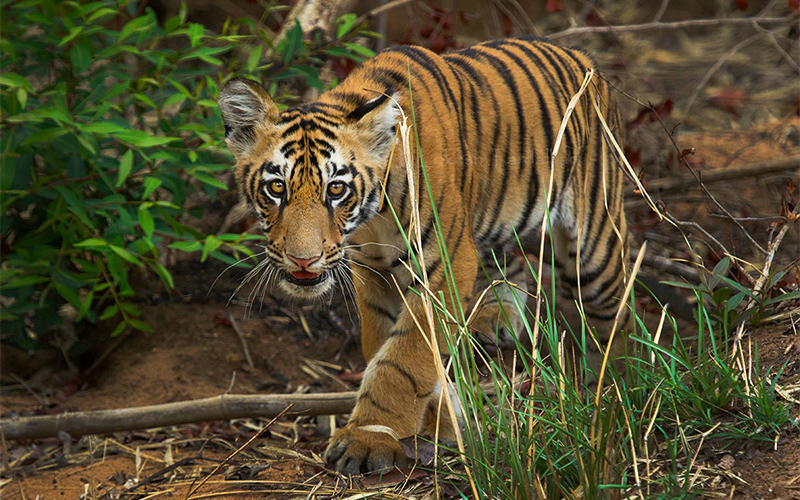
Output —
(303, 262)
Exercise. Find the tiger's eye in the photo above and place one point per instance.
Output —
(277, 188)
(336, 189)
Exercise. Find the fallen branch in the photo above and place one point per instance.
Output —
(223, 407)
(668, 184)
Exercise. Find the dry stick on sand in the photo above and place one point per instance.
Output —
(223, 407)
(257, 435)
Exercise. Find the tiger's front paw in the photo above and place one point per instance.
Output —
(358, 451)
(493, 333)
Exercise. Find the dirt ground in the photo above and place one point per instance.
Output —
(747, 114)
(195, 353)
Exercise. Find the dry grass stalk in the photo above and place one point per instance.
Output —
(545, 218)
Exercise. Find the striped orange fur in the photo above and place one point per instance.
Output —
(487, 118)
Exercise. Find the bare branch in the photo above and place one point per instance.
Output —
(688, 166)
(223, 407)
(669, 184)
(693, 23)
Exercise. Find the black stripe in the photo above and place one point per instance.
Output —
(505, 73)
(500, 200)
(399, 369)
(381, 310)
(365, 395)
(368, 106)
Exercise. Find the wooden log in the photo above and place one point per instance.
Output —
(223, 407)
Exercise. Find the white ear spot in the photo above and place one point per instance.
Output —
(377, 119)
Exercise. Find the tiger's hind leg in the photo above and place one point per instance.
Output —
(591, 279)
(500, 317)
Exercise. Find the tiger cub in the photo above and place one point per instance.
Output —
(487, 118)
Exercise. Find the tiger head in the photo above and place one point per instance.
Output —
(312, 174)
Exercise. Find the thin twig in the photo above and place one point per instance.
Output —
(713, 69)
(380, 10)
(242, 339)
(686, 164)
(661, 10)
(773, 249)
(693, 23)
(697, 227)
(765, 271)
(679, 183)
(771, 37)
(229, 457)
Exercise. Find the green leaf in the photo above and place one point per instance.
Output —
(119, 329)
(73, 32)
(207, 179)
(86, 305)
(254, 58)
(146, 221)
(150, 185)
(143, 139)
(14, 80)
(186, 246)
(103, 128)
(211, 244)
(130, 309)
(75, 204)
(346, 23)
(143, 98)
(174, 99)
(165, 275)
(125, 165)
(68, 294)
(91, 242)
(781, 298)
(210, 59)
(359, 49)
(44, 135)
(195, 33)
(22, 97)
(125, 254)
(25, 281)
(140, 325)
(292, 43)
(109, 312)
(133, 26)
(105, 11)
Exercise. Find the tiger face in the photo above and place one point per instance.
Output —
(311, 175)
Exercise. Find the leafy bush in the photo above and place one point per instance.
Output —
(108, 122)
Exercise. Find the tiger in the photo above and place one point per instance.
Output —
(329, 194)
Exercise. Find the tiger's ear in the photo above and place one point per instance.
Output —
(245, 105)
(375, 122)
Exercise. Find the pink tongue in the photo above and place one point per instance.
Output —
(304, 275)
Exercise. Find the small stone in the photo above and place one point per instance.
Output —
(726, 462)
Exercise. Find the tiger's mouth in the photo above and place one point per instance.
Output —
(305, 278)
